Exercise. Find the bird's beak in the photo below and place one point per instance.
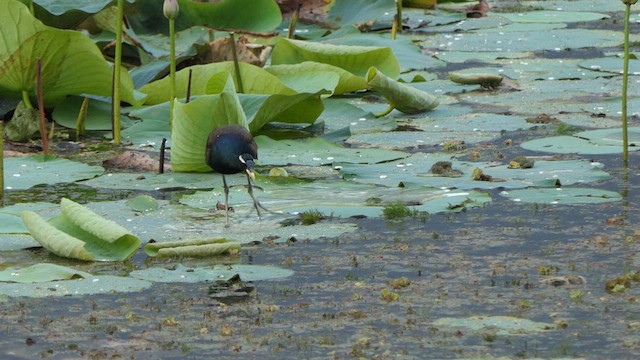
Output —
(251, 174)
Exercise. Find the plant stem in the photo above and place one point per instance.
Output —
(236, 65)
(172, 70)
(625, 79)
(116, 75)
(386, 111)
(294, 21)
(1, 163)
(43, 126)
(26, 100)
(398, 17)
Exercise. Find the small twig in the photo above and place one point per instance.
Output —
(189, 87)
(162, 149)
(235, 62)
(43, 125)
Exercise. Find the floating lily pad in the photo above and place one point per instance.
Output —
(12, 242)
(41, 273)
(546, 16)
(317, 151)
(505, 325)
(414, 171)
(602, 141)
(182, 274)
(103, 284)
(562, 195)
(353, 200)
(26, 171)
(10, 221)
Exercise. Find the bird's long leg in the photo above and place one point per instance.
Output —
(226, 201)
(256, 203)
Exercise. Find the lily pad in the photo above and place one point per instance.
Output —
(415, 171)
(546, 16)
(602, 141)
(403, 97)
(26, 171)
(10, 221)
(346, 12)
(183, 274)
(103, 284)
(562, 195)
(317, 151)
(41, 273)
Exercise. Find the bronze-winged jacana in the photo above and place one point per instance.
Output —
(232, 150)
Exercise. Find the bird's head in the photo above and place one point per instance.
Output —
(247, 160)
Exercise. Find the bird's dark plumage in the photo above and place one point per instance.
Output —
(225, 146)
(230, 150)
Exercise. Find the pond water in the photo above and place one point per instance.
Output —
(503, 279)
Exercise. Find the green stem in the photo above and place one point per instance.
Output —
(43, 125)
(236, 65)
(386, 111)
(116, 75)
(625, 79)
(172, 69)
(26, 100)
(399, 16)
(294, 21)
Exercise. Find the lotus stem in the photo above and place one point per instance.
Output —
(43, 125)
(116, 75)
(188, 98)
(386, 111)
(82, 116)
(172, 69)
(625, 80)
(26, 100)
(236, 64)
(294, 21)
(163, 147)
(398, 19)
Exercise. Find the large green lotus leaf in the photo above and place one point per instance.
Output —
(545, 69)
(183, 274)
(403, 97)
(602, 141)
(415, 171)
(293, 75)
(192, 123)
(103, 284)
(343, 198)
(151, 181)
(152, 129)
(26, 171)
(189, 43)
(298, 108)
(250, 15)
(98, 114)
(504, 325)
(192, 248)
(317, 151)
(555, 40)
(10, 221)
(71, 62)
(562, 195)
(80, 233)
(67, 14)
(491, 21)
(347, 12)
(355, 59)
(546, 16)
(404, 48)
(255, 80)
(42, 272)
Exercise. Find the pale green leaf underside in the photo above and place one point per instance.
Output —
(191, 248)
(42, 272)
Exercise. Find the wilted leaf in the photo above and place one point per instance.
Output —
(403, 97)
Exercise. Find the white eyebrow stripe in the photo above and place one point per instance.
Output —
(241, 159)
